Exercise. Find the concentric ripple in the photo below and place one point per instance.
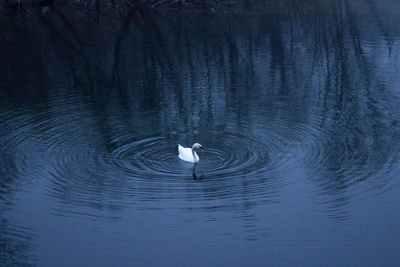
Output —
(157, 157)
(89, 160)
(258, 163)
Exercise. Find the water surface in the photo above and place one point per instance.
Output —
(298, 112)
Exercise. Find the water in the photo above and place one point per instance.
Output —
(297, 110)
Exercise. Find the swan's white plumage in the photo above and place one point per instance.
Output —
(187, 154)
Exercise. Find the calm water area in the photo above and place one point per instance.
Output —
(298, 110)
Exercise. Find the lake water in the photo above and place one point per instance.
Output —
(297, 110)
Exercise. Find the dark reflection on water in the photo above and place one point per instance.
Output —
(297, 112)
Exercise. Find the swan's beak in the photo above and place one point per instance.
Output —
(201, 149)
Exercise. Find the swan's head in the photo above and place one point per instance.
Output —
(198, 146)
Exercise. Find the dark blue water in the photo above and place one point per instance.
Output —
(297, 109)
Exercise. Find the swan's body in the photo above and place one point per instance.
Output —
(188, 154)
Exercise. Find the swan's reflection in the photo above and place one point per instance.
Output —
(194, 175)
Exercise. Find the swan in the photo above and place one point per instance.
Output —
(188, 154)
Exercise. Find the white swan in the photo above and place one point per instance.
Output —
(188, 154)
